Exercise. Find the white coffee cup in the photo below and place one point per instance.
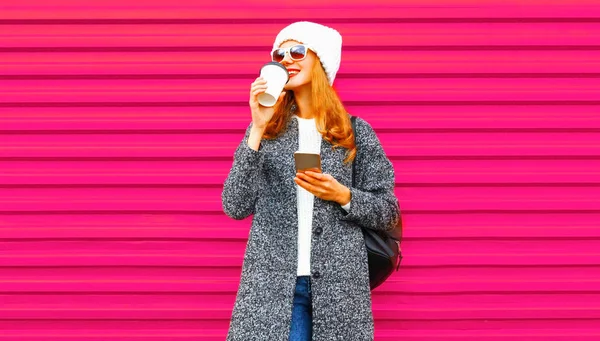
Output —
(277, 77)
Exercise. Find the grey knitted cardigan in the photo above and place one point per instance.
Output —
(262, 183)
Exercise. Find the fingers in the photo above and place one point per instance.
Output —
(301, 182)
(315, 173)
(306, 178)
(307, 186)
(258, 86)
(323, 187)
(320, 189)
(259, 80)
(318, 179)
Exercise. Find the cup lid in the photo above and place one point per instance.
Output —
(281, 66)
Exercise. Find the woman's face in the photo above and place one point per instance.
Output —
(303, 77)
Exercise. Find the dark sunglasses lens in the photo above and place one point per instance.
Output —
(298, 52)
(278, 55)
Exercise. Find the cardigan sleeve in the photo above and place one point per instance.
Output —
(374, 203)
(347, 206)
(241, 187)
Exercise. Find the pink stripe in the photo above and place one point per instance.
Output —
(225, 144)
(406, 117)
(261, 35)
(401, 60)
(236, 90)
(105, 250)
(420, 199)
(419, 225)
(409, 173)
(165, 258)
(266, 10)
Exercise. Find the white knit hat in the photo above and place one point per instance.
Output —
(325, 41)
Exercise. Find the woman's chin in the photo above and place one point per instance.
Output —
(294, 84)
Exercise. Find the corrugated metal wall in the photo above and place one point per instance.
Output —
(119, 121)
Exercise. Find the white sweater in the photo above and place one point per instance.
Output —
(309, 140)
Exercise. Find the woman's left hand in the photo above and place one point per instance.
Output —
(323, 186)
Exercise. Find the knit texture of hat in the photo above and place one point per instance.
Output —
(325, 41)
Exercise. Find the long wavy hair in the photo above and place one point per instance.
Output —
(330, 115)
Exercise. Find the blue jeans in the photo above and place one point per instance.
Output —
(301, 327)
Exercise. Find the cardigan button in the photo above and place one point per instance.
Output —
(316, 274)
(318, 231)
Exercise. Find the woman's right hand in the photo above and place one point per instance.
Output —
(261, 115)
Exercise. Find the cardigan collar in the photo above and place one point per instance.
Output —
(293, 144)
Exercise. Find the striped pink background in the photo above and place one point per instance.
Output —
(118, 123)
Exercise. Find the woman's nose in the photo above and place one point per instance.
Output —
(287, 59)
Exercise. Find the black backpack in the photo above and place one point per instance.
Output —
(383, 247)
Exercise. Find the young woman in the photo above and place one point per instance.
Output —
(305, 271)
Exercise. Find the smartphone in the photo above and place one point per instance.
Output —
(306, 161)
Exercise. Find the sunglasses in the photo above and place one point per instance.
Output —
(297, 53)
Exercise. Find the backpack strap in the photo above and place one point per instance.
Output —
(353, 121)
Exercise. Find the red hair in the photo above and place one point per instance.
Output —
(330, 115)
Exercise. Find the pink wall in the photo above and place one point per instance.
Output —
(118, 125)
